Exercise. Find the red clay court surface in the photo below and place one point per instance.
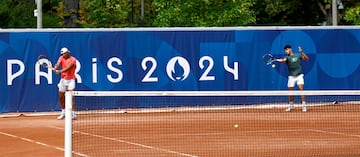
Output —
(327, 131)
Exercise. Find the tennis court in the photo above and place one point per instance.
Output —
(30, 135)
(326, 130)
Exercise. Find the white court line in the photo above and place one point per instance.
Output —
(130, 143)
(333, 133)
(313, 130)
(39, 143)
(32, 141)
(201, 134)
(136, 144)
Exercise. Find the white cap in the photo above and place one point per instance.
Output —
(64, 50)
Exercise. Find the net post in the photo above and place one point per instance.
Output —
(68, 125)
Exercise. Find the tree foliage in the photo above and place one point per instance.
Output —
(175, 13)
(106, 13)
(288, 12)
(20, 14)
(352, 14)
(14, 10)
(203, 13)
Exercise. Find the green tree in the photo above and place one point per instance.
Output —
(288, 12)
(190, 13)
(203, 13)
(17, 14)
(352, 13)
(165, 13)
(20, 14)
(105, 13)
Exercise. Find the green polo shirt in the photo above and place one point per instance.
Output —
(294, 64)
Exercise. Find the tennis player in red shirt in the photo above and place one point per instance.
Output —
(67, 64)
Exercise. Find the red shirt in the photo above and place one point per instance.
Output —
(69, 74)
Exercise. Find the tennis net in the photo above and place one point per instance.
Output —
(213, 123)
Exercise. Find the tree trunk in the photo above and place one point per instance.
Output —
(71, 10)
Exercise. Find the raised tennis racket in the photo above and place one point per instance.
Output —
(44, 61)
(268, 59)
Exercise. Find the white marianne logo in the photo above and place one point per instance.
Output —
(178, 68)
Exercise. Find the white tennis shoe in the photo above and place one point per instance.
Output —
(304, 106)
(62, 116)
(304, 109)
(289, 108)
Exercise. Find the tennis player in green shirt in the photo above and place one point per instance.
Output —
(296, 75)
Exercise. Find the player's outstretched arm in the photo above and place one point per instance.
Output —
(281, 60)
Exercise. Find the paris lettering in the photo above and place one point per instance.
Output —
(177, 68)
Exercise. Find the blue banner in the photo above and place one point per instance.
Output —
(171, 60)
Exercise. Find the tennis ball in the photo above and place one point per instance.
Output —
(236, 126)
(273, 66)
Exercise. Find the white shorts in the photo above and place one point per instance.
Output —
(66, 85)
(299, 80)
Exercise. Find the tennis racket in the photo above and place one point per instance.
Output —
(268, 59)
(44, 62)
